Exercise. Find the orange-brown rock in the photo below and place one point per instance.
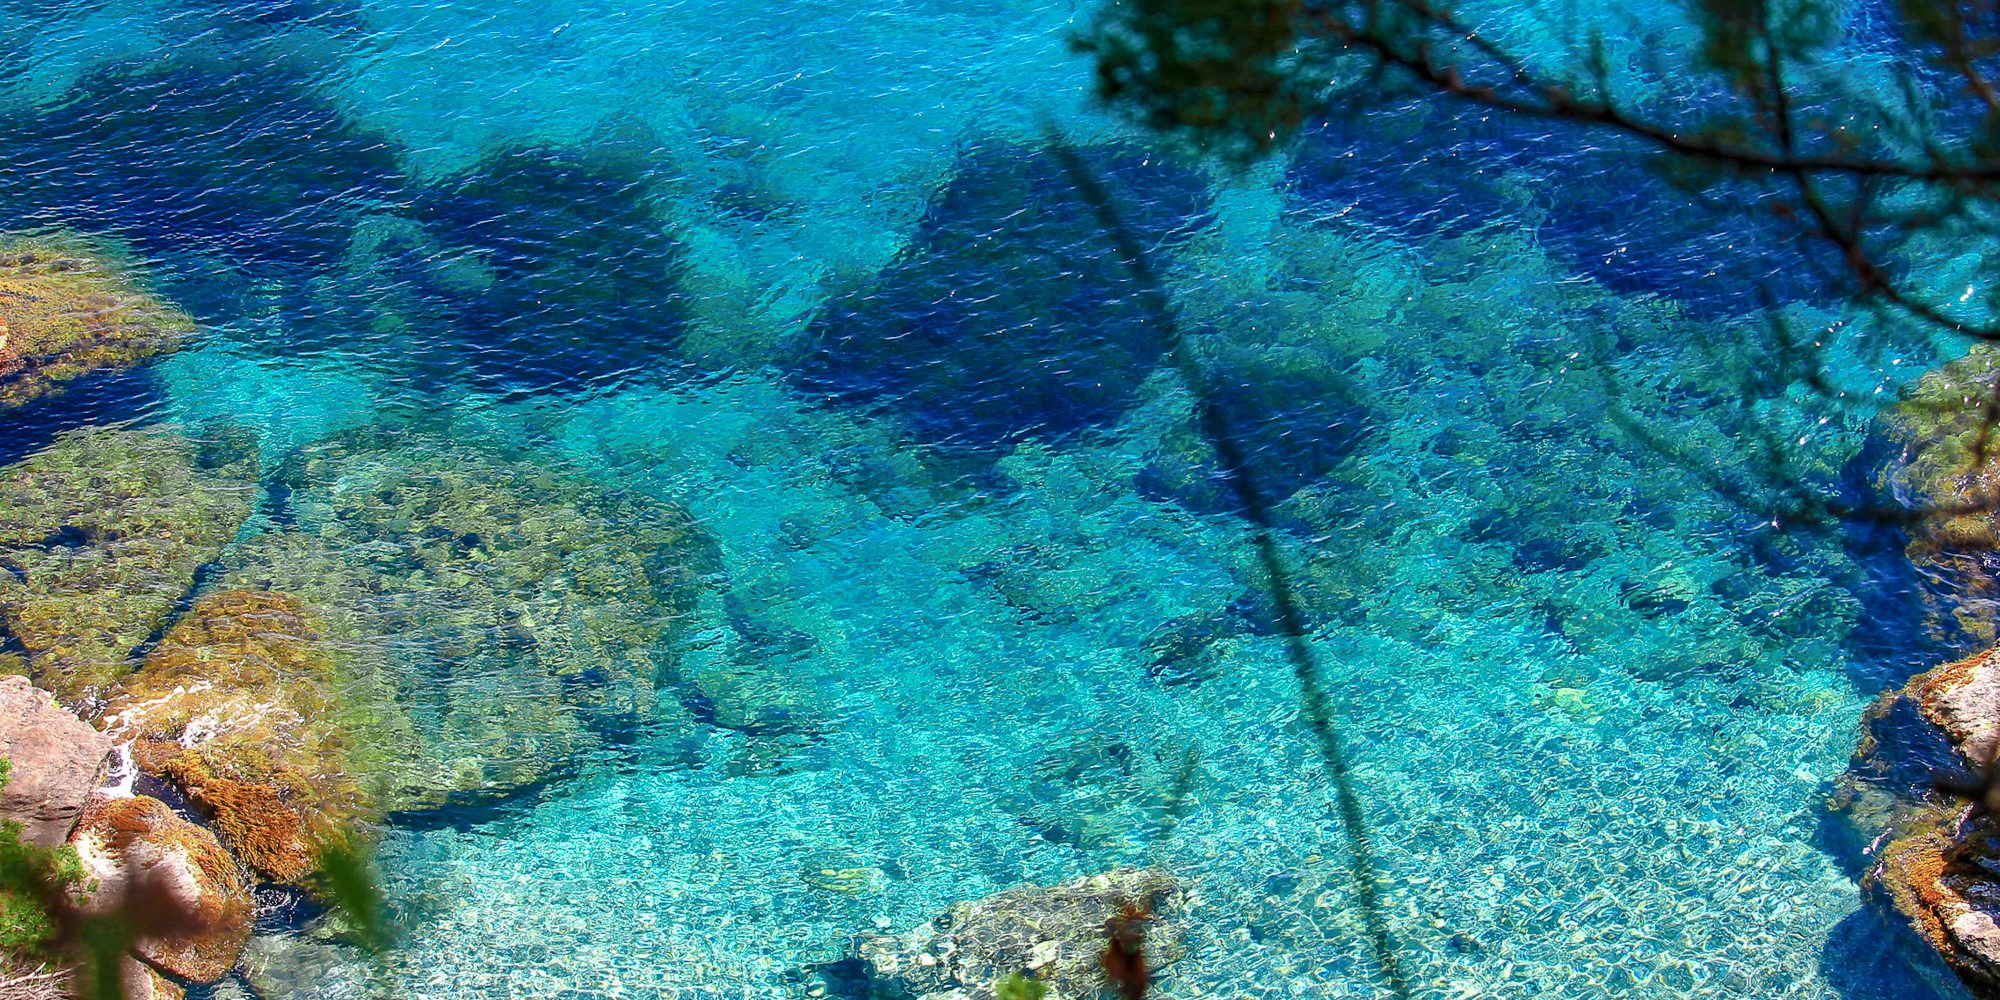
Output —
(173, 878)
(66, 309)
(236, 707)
(1931, 857)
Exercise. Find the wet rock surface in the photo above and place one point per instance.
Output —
(101, 537)
(66, 310)
(137, 845)
(1056, 934)
(54, 762)
(238, 707)
(1930, 858)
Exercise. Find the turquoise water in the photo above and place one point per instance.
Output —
(979, 611)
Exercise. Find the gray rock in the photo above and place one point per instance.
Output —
(55, 760)
(1055, 933)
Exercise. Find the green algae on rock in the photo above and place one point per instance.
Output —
(67, 310)
(507, 610)
(243, 707)
(101, 536)
(1940, 430)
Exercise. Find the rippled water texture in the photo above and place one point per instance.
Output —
(748, 484)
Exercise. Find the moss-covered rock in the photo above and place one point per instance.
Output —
(242, 707)
(67, 310)
(101, 535)
(137, 845)
(1949, 464)
(507, 610)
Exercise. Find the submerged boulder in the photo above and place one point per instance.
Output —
(241, 707)
(1056, 934)
(137, 845)
(1948, 468)
(1013, 312)
(53, 759)
(101, 536)
(508, 611)
(1931, 858)
(67, 311)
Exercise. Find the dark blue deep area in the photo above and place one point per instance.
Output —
(1596, 200)
(1012, 314)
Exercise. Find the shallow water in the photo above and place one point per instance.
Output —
(978, 609)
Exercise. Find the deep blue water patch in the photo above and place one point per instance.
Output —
(193, 153)
(1011, 313)
(1293, 419)
(95, 399)
(1595, 199)
(567, 273)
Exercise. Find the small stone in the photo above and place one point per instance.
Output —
(1058, 931)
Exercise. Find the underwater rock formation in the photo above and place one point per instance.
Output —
(507, 611)
(126, 843)
(66, 311)
(101, 536)
(1057, 934)
(1011, 313)
(1955, 543)
(1599, 203)
(1293, 411)
(55, 760)
(556, 265)
(203, 152)
(241, 707)
(1932, 858)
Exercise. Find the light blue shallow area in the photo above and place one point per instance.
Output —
(1592, 775)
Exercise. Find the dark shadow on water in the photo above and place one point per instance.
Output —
(1861, 961)
(98, 398)
(1895, 636)
(1011, 314)
(555, 267)
(198, 153)
(1596, 201)
(1297, 419)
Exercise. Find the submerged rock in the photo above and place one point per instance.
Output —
(54, 761)
(507, 611)
(1955, 542)
(1932, 859)
(67, 311)
(101, 536)
(558, 266)
(1295, 413)
(242, 707)
(1012, 313)
(137, 844)
(1057, 934)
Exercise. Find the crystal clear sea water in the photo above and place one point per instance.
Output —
(978, 613)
